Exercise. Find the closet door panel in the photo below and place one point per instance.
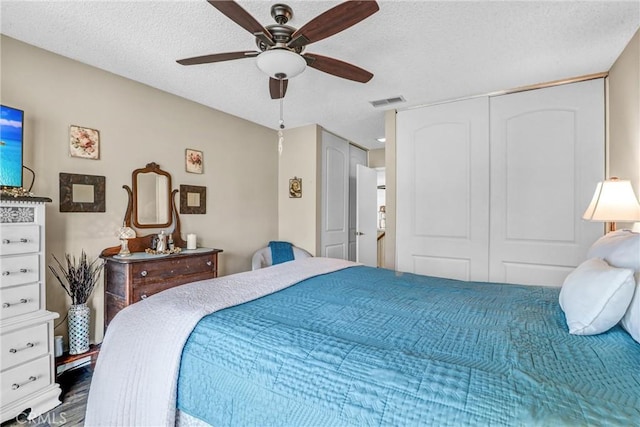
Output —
(547, 155)
(448, 165)
(443, 190)
(334, 197)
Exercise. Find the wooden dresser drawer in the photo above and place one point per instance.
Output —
(20, 239)
(128, 280)
(141, 292)
(165, 269)
(18, 382)
(19, 300)
(24, 344)
(17, 270)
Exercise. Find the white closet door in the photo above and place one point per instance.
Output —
(443, 190)
(357, 156)
(547, 155)
(335, 197)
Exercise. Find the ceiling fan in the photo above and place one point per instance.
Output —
(281, 46)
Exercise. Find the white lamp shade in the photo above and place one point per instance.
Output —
(613, 201)
(126, 233)
(280, 61)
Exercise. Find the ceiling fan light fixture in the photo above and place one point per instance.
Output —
(275, 62)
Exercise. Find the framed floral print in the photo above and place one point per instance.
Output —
(84, 142)
(194, 161)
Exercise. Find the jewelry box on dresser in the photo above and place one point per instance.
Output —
(26, 328)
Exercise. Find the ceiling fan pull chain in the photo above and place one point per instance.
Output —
(281, 122)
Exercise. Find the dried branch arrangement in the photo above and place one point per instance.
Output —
(78, 278)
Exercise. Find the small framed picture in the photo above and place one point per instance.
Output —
(194, 161)
(295, 188)
(84, 142)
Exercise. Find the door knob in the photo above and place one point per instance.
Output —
(358, 233)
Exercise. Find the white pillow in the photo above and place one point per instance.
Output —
(631, 320)
(595, 296)
(622, 249)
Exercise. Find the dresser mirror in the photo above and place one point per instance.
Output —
(151, 197)
(151, 205)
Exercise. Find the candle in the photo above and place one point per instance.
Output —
(191, 241)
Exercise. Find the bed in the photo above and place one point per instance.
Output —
(329, 342)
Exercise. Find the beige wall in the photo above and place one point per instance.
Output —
(376, 158)
(624, 115)
(138, 125)
(297, 217)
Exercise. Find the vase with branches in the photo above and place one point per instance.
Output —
(78, 279)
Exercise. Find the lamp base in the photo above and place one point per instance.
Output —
(124, 248)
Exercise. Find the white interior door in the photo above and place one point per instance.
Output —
(357, 156)
(442, 222)
(547, 155)
(366, 216)
(334, 220)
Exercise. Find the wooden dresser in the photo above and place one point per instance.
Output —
(27, 376)
(130, 279)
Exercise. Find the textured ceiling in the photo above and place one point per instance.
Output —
(426, 51)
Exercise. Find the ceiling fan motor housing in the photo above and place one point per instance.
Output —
(281, 36)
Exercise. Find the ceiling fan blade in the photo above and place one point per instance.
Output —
(337, 68)
(274, 88)
(237, 14)
(217, 57)
(333, 21)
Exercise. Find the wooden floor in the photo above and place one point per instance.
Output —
(75, 389)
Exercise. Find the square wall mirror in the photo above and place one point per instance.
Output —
(82, 193)
(193, 199)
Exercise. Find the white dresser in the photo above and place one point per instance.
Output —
(27, 375)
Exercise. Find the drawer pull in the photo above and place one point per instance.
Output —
(15, 350)
(143, 273)
(8, 242)
(8, 273)
(9, 304)
(209, 263)
(143, 296)
(16, 386)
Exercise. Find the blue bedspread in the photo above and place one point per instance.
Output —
(366, 346)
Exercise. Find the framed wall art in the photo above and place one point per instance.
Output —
(82, 193)
(295, 188)
(84, 142)
(193, 199)
(194, 161)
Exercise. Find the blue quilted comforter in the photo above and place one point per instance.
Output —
(366, 346)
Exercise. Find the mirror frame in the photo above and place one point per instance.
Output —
(151, 168)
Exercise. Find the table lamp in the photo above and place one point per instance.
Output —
(613, 201)
(124, 234)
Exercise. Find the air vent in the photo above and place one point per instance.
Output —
(388, 101)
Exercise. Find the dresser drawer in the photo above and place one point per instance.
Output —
(20, 239)
(18, 270)
(24, 344)
(25, 379)
(171, 269)
(19, 300)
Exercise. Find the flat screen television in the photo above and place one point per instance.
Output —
(11, 146)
